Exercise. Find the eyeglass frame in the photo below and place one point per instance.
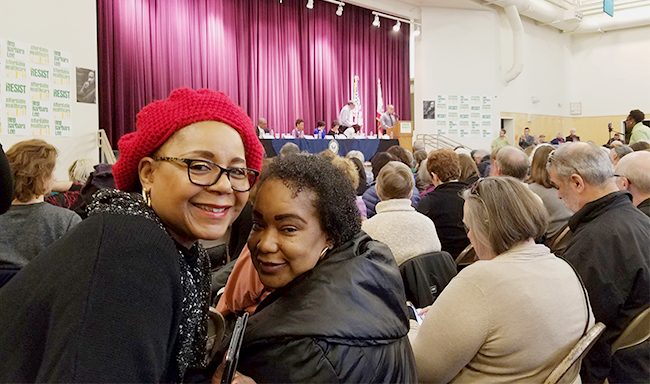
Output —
(222, 170)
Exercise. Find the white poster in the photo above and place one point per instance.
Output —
(62, 111)
(486, 116)
(464, 116)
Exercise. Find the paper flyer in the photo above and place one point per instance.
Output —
(460, 116)
(61, 108)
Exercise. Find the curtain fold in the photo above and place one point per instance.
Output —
(280, 61)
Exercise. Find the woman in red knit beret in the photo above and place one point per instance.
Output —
(124, 296)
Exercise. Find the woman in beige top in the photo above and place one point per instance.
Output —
(513, 315)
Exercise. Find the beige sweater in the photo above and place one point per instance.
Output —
(406, 232)
(510, 319)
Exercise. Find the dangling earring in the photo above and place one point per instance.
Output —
(147, 197)
(324, 252)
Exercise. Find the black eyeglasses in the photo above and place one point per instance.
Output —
(628, 180)
(206, 173)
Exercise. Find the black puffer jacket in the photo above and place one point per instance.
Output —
(345, 321)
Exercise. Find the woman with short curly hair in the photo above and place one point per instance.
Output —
(30, 225)
(337, 309)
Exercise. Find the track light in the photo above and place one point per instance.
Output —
(339, 10)
(417, 31)
(397, 26)
(310, 4)
(376, 21)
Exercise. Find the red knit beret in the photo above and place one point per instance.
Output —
(157, 121)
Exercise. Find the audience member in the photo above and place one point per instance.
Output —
(529, 151)
(299, 130)
(617, 152)
(362, 159)
(328, 279)
(418, 156)
(328, 154)
(370, 195)
(512, 161)
(609, 248)
(640, 146)
(462, 150)
(468, 169)
(423, 181)
(30, 225)
(482, 159)
(418, 145)
(401, 154)
(559, 139)
(513, 315)
(289, 149)
(572, 135)
(67, 194)
(526, 140)
(443, 205)
(346, 116)
(540, 183)
(406, 232)
(6, 183)
(634, 122)
(335, 129)
(262, 127)
(542, 139)
(123, 297)
(319, 132)
(500, 141)
(491, 168)
(633, 175)
(348, 167)
(363, 184)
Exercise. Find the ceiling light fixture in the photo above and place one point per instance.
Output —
(397, 26)
(310, 4)
(339, 10)
(417, 31)
(376, 21)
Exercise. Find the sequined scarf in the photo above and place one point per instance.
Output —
(195, 280)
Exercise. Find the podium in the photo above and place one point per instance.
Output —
(403, 132)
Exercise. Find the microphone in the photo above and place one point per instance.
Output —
(396, 115)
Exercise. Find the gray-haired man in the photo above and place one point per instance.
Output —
(610, 249)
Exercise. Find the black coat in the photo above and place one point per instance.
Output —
(444, 206)
(102, 304)
(610, 248)
(343, 321)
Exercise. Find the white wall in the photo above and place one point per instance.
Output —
(457, 53)
(66, 25)
(611, 72)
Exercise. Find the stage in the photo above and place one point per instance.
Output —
(367, 146)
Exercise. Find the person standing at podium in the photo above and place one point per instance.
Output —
(345, 117)
(387, 120)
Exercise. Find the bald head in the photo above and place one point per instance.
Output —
(635, 171)
(513, 162)
(261, 123)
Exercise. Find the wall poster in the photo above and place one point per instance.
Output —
(460, 116)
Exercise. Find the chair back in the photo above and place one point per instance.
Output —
(560, 240)
(576, 354)
(635, 333)
(466, 257)
(425, 277)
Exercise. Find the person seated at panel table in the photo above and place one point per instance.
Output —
(336, 312)
(352, 132)
(559, 139)
(572, 135)
(513, 315)
(335, 129)
(319, 131)
(299, 130)
(31, 225)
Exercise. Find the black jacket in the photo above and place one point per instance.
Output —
(102, 304)
(645, 207)
(425, 277)
(444, 207)
(343, 321)
(610, 248)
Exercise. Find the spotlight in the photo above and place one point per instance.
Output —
(339, 10)
(310, 4)
(417, 31)
(397, 26)
(376, 21)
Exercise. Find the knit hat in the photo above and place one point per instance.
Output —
(157, 121)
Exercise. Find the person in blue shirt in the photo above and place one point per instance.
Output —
(319, 131)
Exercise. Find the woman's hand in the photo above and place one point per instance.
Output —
(423, 311)
(237, 379)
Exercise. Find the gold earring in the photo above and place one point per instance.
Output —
(147, 197)
(324, 252)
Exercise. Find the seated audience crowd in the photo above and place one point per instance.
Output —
(103, 277)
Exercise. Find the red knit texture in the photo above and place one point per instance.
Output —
(157, 121)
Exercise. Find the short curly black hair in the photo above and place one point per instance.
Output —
(335, 200)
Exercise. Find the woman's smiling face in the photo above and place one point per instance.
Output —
(287, 239)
